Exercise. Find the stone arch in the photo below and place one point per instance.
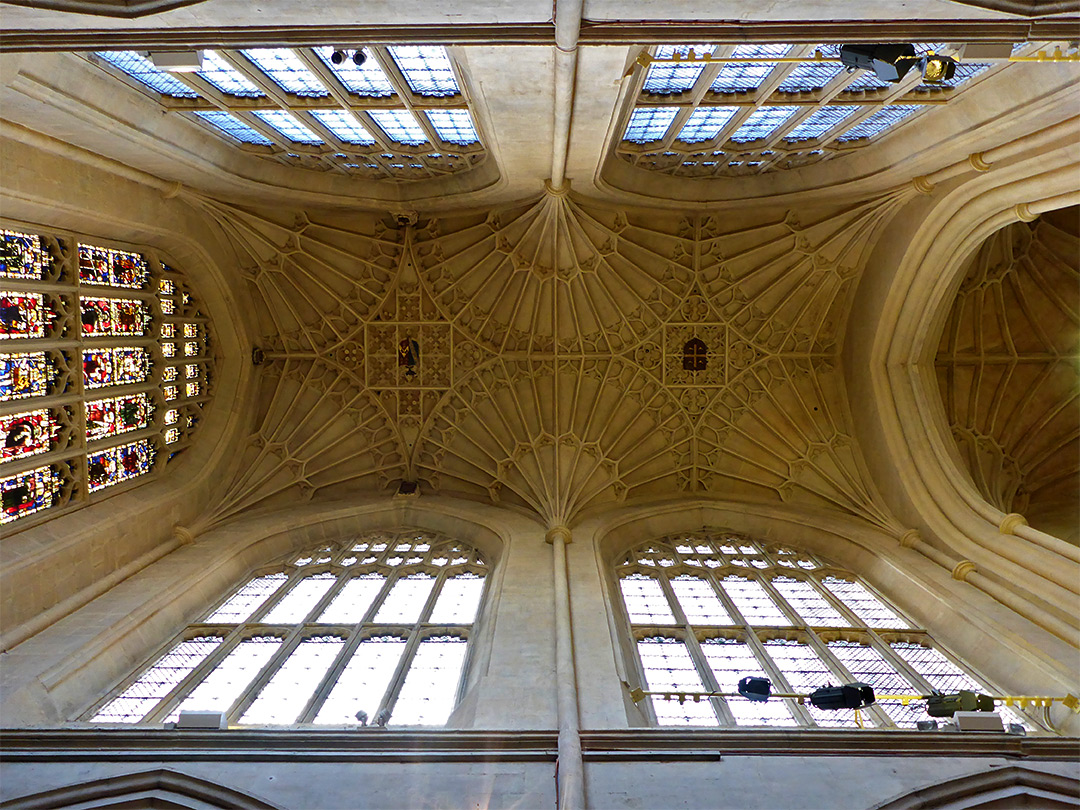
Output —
(161, 788)
(1009, 788)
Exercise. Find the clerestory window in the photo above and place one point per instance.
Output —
(402, 114)
(105, 369)
(708, 609)
(369, 629)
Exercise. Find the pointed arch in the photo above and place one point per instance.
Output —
(1014, 786)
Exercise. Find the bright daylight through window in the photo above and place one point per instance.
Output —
(104, 369)
(707, 610)
(368, 630)
(402, 114)
(721, 118)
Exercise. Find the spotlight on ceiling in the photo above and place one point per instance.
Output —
(359, 57)
(937, 68)
(889, 62)
(338, 56)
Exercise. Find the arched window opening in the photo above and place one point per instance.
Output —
(377, 625)
(708, 609)
(129, 321)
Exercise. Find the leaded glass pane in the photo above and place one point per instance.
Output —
(26, 434)
(406, 599)
(730, 662)
(22, 375)
(762, 123)
(344, 126)
(399, 126)
(286, 69)
(367, 80)
(142, 69)
(426, 68)
(699, 601)
(880, 121)
(246, 600)
(23, 256)
(430, 690)
(863, 603)
(814, 609)
(114, 317)
(810, 76)
(135, 702)
(227, 78)
(820, 122)
(363, 682)
(288, 126)
(233, 126)
(353, 600)
(665, 79)
(116, 415)
(645, 600)
(293, 685)
(228, 680)
(22, 315)
(114, 268)
(867, 665)
(756, 606)
(458, 600)
(453, 126)
(669, 667)
(29, 492)
(705, 123)
(297, 603)
(117, 464)
(649, 123)
(806, 672)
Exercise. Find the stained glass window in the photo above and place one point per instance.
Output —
(22, 255)
(22, 315)
(708, 609)
(104, 309)
(376, 624)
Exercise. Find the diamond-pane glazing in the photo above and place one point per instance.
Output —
(814, 608)
(649, 123)
(868, 666)
(430, 690)
(399, 126)
(367, 80)
(426, 68)
(645, 600)
(286, 69)
(353, 600)
(668, 666)
(363, 682)
(228, 680)
(288, 691)
(806, 672)
(288, 126)
(880, 121)
(762, 123)
(756, 606)
(730, 662)
(247, 600)
(298, 601)
(458, 600)
(233, 126)
(820, 122)
(453, 126)
(406, 599)
(705, 123)
(699, 601)
(141, 68)
(226, 78)
(863, 603)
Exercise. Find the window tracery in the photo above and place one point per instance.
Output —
(707, 609)
(131, 323)
(402, 115)
(722, 119)
(375, 624)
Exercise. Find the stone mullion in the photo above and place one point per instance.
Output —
(223, 102)
(909, 82)
(836, 602)
(785, 608)
(408, 98)
(348, 650)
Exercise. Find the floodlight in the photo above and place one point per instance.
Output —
(359, 57)
(753, 688)
(848, 696)
(926, 725)
(338, 57)
(937, 69)
(890, 62)
(939, 705)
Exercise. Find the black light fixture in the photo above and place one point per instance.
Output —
(939, 705)
(753, 688)
(359, 57)
(890, 62)
(338, 56)
(848, 696)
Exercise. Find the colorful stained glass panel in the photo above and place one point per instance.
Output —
(22, 255)
(24, 375)
(114, 316)
(118, 365)
(22, 315)
(117, 464)
(26, 434)
(110, 417)
(28, 492)
(116, 268)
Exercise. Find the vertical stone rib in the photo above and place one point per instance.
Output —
(571, 770)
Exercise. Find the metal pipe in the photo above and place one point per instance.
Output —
(567, 31)
(570, 767)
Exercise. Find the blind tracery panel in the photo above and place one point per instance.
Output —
(379, 622)
(708, 609)
(130, 322)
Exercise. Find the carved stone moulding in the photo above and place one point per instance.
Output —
(106, 8)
